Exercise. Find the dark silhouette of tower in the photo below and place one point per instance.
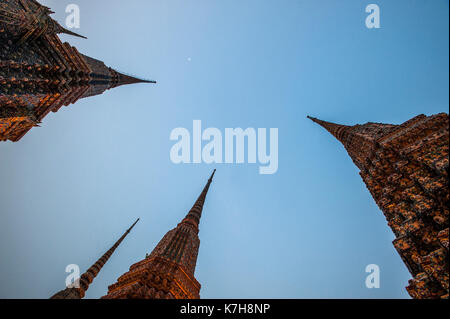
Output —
(86, 279)
(168, 272)
(405, 168)
(38, 73)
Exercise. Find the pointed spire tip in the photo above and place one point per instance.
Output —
(66, 31)
(212, 175)
(316, 120)
(129, 229)
(123, 78)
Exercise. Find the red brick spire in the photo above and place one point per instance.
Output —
(168, 272)
(405, 168)
(87, 278)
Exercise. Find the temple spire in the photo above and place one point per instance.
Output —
(405, 168)
(337, 130)
(194, 215)
(60, 29)
(54, 75)
(87, 278)
(168, 272)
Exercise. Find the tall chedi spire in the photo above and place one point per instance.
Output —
(405, 168)
(168, 272)
(38, 73)
(86, 279)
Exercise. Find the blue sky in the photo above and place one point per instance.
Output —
(71, 188)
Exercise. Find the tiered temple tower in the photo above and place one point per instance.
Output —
(87, 278)
(38, 73)
(168, 272)
(405, 168)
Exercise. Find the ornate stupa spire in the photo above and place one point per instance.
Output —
(39, 73)
(336, 130)
(358, 140)
(405, 168)
(60, 29)
(124, 79)
(168, 272)
(194, 215)
(31, 19)
(86, 279)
